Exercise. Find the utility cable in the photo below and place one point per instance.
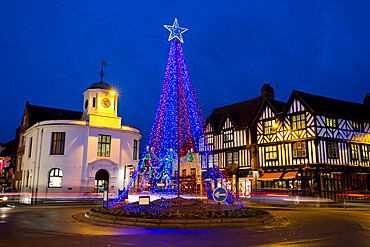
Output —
(108, 22)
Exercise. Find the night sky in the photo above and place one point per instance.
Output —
(50, 52)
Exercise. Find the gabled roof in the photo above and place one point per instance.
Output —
(277, 106)
(41, 113)
(241, 114)
(334, 107)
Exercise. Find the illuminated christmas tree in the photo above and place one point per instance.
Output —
(177, 129)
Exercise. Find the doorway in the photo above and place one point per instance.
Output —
(101, 181)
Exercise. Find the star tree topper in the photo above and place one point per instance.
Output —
(176, 31)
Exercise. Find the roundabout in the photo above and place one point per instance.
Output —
(181, 213)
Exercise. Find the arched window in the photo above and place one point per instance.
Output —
(86, 104)
(55, 178)
(93, 104)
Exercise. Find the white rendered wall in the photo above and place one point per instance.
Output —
(80, 162)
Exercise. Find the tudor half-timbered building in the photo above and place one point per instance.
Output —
(231, 140)
(316, 146)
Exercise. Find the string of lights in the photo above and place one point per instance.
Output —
(32, 85)
(176, 135)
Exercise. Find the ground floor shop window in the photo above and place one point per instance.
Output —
(359, 181)
(332, 182)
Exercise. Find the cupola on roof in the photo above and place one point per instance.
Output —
(100, 85)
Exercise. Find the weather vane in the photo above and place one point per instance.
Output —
(176, 31)
(103, 64)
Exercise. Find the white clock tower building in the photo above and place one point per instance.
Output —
(84, 152)
(100, 105)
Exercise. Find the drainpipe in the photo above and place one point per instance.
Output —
(38, 166)
(34, 166)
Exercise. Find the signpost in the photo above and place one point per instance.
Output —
(105, 198)
(219, 195)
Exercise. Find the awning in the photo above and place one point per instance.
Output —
(290, 175)
(270, 176)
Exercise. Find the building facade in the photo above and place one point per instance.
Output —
(70, 158)
(231, 138)
(310, 145)
(316, 146)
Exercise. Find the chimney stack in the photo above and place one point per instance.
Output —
(367, 99)
(267, 91)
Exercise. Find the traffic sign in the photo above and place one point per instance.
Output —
(132, 169)
(219, 194)
(251, 178)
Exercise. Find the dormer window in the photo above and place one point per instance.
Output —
(299, 121)
(331, 122)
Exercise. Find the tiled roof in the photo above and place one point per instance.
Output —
(242, 113)
(335, 107)
(40, 113)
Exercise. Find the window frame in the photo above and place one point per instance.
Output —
(299, 148)
(59, 175)
(268, 128)
(269, 152)
(334, 148)
(59, 140)
(354, 151)
(135, 148)
(30, 147)
(329, 122)
(365, 157)
(300, 114)
(210, 136)
(228, 133)
(357, 126)
(233, 160)
(105, 144)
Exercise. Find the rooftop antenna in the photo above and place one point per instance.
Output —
(276, 88)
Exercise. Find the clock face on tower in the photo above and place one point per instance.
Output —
(105, 102)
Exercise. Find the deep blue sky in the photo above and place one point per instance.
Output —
(50, 53)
